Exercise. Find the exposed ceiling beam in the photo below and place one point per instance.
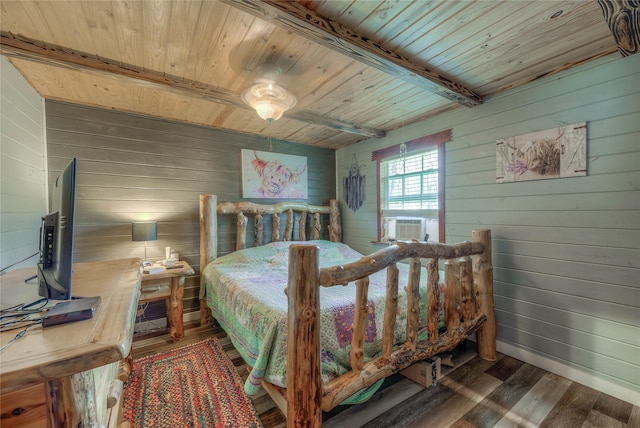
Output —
(623, 19)
(33, 50)
(328, 33)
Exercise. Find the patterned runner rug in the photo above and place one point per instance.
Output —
(192, 386)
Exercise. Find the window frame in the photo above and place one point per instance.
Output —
(413, 147)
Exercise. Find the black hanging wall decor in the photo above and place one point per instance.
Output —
(354, 188)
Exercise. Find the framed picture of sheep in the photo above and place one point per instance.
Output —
(552, 153)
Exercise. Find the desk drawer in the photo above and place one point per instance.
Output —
(26, 408)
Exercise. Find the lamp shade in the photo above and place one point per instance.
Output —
(144, 231)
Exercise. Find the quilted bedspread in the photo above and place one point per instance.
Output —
(245, 291)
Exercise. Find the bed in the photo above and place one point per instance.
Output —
(356, 319)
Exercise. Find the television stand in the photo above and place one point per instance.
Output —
(69, 375)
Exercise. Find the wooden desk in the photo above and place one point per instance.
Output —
(69, 364)
(154, 289)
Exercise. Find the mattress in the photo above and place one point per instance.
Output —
(245, 292)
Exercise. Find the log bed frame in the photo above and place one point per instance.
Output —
(468, 301)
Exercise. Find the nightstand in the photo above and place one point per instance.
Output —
(153, 288)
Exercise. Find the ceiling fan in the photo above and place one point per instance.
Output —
(267, 96)
(268, 72)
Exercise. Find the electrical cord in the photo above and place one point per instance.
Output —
(19, 321)
(21, 333)
(24, 308)
(12, 319)
(22, 324)
(16, 316)
(18, 336)
(17, 263)
(21, 317)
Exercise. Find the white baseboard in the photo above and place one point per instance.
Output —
(571, 373)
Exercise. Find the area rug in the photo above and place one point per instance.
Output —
(195, 385)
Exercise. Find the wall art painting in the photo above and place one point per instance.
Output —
(273, 175)
(552, 153)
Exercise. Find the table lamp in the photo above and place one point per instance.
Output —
(144, 231)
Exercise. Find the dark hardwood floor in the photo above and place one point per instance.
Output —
(502, 393)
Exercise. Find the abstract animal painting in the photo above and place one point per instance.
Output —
(273, 175)
(553, 153)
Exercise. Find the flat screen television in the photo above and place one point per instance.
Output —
(56, 238)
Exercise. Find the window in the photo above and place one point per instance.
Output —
(411, 189)
(411, 182)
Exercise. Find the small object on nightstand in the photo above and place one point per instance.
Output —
(169, 263)
(153, 269)
(175, 267)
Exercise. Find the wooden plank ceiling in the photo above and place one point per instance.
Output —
(358, 68)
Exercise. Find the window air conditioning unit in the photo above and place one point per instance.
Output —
(407, 228)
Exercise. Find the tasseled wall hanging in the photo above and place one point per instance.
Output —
(354, 189)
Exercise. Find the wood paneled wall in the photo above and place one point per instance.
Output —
(22, 172)
(134, 168)
(566, 251)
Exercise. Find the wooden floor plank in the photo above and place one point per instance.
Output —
(423, 407)
(356, 415)
(614, 408)
(273, 418)
(536, 404)
(411, 411)
(573, 408)
(634, 419)
(502, 399)
(596, 419)
(505, 368)
(469, 391)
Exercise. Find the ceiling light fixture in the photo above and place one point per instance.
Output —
(267, 97)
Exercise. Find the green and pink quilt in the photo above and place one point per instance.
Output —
(245, 291)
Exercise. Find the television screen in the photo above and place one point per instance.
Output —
(56, 238)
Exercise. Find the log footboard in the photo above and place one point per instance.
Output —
(468, 307)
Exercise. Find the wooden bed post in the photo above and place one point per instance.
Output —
(433, 298)
(258, 227)
(208, 246)
(390, 311)
(335, 225)
(466, 279)
(452, 294)
(303, 354)
(483, 282)
(241, 231)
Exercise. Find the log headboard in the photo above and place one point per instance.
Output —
(209, 209)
